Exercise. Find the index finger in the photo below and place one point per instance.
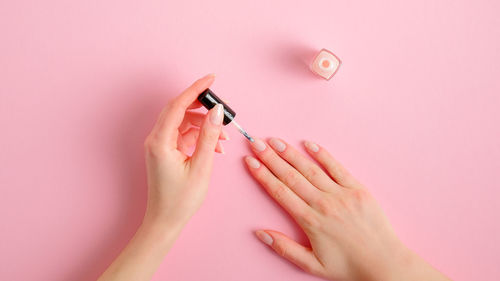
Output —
(172, 115)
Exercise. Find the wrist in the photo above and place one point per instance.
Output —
(388, 264)
(404, 262)
(163, 221)
(407, 265)
(159, 230)
(161, 225)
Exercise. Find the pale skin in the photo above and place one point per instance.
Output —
(350, 237)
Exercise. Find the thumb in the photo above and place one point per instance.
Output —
(300, 255)
(203, 155)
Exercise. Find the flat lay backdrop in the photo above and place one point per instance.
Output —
(412, 112)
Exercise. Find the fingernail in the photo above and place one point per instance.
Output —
(277, 145)
(311, 146)
(224, 135)
(216, 114)
(209, 75)
(252, 162)
(264, 237)
(221, 148)
(259, 145)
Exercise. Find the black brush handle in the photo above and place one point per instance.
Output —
(209, 99)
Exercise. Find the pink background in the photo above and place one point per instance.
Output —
(413, 112)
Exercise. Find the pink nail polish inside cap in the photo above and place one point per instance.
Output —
(325, 64)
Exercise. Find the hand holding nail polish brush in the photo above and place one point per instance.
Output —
(209, 99)
(333, 209)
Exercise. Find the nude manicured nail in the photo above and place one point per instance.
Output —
(221, 148)
(277, 144)
(252, 162)
(311, 146)
(224, 135)
(264, 237)
(259, 145)
(216, 114)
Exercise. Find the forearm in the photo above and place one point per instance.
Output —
(408, 266)
(143, 254)
(416, 268)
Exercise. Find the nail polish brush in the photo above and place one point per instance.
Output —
(208, 99)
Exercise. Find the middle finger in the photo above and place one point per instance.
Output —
(285, 172)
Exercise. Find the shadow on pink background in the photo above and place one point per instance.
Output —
(413, 112)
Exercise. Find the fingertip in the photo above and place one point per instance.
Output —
(291, 250)
(202, 84)
(216, 115)
(224, 135)
(258, 145)
(209, 76)
(277, 144)
(264, 237)
(252, 162)
(220, 148)
(209, 79)
(311, 146)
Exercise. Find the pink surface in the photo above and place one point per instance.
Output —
(413, 112)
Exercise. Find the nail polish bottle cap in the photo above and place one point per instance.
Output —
(208, 99)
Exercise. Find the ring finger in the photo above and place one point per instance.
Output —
(285, 172)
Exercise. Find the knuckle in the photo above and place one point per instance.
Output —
(339, 172)
(345, 203)
(174, 103)
(309, 220)
(353, 201)
(153, 148)
(281, 248)
(291, 178)
(261, 176)
(333, 167)
(360, 195)
(147, 143)
(210, 134)
(325, 206)
(312, 172)
(279, 193)
(359, 198)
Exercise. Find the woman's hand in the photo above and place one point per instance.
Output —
(350, 237)
(177, 182)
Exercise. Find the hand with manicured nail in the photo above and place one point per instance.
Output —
(177, 182)
(350, 237)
